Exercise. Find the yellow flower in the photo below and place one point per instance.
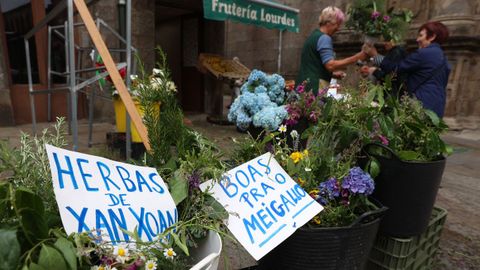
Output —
(316, 220)
(296, 157)
(301, 182)
(314, 193)
(305, 153)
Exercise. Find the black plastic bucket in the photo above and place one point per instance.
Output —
(408, 189)
(326, 248)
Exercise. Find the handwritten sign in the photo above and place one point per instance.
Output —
(95, 193)
(266, 206)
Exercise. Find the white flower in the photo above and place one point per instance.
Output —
(133, 77)
(156, 82)
(282, 128)
(171, 86)
(157, 71)
(134, 93)
(307, 169)
(169, 253)
(102, 267)
(294, 134)
(121, 252)
(374, 104)
(150, 265)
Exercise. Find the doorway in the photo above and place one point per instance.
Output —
(179, 32)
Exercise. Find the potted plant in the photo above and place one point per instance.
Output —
(341, 236)
(260, 104)
(374, 20)
(405, 149)
(157, 86)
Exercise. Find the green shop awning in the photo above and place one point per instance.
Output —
(263, 13)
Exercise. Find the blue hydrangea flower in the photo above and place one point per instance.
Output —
(259, 102)
(358, 182)
(270, 117)
(257, 76)
(260, 89)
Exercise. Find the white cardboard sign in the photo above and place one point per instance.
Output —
(265, 205)
(95, 193)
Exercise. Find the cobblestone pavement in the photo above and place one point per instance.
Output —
(459, 192)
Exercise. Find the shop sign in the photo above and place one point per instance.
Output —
(263, 13)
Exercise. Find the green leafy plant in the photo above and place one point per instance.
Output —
(372, 18)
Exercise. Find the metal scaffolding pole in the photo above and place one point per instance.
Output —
(72, 80)
(128, 148)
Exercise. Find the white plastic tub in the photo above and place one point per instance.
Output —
(208, 252)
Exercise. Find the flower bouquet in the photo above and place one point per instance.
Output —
(304, 108)
(260, 102)
(372, 18)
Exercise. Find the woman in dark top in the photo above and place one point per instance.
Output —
(427, 68)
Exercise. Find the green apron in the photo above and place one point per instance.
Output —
(311, 66)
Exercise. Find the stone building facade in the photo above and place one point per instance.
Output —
(163, 21)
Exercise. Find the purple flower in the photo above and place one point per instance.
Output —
(386, 18)
(107, 260)
(328, 190)
(375, 15)
(300, 88)
(309, 99)
(194, 181)
(132, 267)
(313, 117)
(383, 139)
(358, 182)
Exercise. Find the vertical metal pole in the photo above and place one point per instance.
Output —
(92, 99)
(67, 72)
(71, 64)
(49, 74)
(129, 63)
(279, 59)
(30, 86)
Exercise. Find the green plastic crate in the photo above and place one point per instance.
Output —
(408, 253)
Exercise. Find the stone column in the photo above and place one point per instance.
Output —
(463, 98)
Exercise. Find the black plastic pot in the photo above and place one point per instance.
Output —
(326, 248)
(408, 189)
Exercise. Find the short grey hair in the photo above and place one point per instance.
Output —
(331, 14)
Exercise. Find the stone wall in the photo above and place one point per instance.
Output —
(258, 48)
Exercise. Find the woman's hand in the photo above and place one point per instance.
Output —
(366, 71)
(339, 74)
(369, 49)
